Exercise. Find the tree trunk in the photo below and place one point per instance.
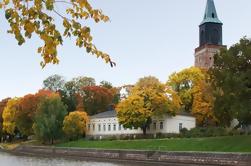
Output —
(144, 130)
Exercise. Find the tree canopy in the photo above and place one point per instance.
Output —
(231, 80)
(9, 113)
(183, 83)
(48, 121)
(96, 99)
(54, 83)
(3, 104)
(147, 99)
(74, 125)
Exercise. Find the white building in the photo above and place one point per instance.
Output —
(106, 124)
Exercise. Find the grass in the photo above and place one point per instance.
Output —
(212, 144)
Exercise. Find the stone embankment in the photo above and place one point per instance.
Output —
(183, 158)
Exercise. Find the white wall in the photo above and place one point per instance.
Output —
(170, 125)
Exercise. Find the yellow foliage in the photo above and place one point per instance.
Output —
(74, 124)
(195, 93)
(29, 18)
(203, 104)
(9, 113)
(148, 98)
(183, 83)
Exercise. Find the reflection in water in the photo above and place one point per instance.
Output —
(11, 160)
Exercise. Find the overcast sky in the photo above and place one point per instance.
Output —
(144, 37)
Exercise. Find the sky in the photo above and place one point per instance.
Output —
(144, 37)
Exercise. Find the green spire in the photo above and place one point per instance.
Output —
(210, 13)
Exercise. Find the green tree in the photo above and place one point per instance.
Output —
(74, 125)
(72, 89)
(231, 80)
(81, 82)
(54, 83)
(147, 99)
(37, 18)
(24, 116)
(48, 121)
(106, 84)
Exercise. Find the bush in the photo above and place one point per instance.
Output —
(74, 124)
(205, 132)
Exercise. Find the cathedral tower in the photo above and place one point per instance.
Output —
(210, 41)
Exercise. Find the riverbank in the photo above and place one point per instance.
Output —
(140, 156)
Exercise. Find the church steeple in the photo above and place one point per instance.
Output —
(210, 37)
(210, 13)
(211, 26)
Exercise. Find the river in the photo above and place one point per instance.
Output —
(7, 159)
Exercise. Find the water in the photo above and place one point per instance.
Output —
(12, 160)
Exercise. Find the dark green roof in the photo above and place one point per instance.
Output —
(210, 13)
(107, 114)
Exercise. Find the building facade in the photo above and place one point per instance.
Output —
(210, 37)
(107, 124)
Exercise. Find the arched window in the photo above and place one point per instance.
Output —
(202, 37)
(161, 125)
(215, 37)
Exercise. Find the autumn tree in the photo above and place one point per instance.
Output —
(194, 89)
(25, 113)
(96, 99)
(114, 90)
(231, 80)
(203, 104)
(183, 83)
(9, 113)
(37, 18)
(48, 120)
(72, 89)
(3, 104)
(54, 83)
(74, 125)
(28, 104)
(147, 99)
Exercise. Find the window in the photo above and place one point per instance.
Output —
(114, 127)
(120, 127)
(89, 127)
(161, 125)
(215, 37)
(202, 37)
(93, 127)
(99, 127)
(104, 127)
(180, 126)
(213, 15)
(109, 127)
(154, 125)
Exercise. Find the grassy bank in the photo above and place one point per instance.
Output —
(213, 144)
